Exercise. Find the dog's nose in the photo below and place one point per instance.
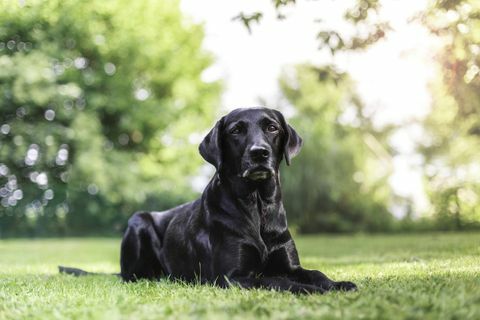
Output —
(259, 153)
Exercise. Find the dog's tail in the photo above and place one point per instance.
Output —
(79, 272)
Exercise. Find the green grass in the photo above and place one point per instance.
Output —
(431, 276)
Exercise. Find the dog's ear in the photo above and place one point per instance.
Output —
(292, 142)
(210, 147)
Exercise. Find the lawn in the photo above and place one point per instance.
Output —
(428, 276)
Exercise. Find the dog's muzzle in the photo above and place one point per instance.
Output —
(258, 173)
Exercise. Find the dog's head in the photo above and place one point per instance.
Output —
(250, 143)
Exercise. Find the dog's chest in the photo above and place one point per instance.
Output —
(254, 230)
(272, 224)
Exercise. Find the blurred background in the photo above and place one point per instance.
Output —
(103, 105)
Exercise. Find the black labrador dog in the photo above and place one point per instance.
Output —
(236, 233)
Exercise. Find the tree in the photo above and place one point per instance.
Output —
(97, 100)
(451, 150)
(338, 181)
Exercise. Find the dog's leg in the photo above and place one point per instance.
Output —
(284, 262)
(140, 250)
(271, 283)
(319, 279)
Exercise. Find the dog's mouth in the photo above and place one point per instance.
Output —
(258, 173)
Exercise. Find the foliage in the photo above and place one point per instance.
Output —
(339, 181)
(451, 149)
(423, 276)
(368, 27)
(247, 19)
(98, 98)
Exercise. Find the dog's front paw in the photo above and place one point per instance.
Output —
(345, 286)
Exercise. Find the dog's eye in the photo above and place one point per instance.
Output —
(235, 130)
(272, 128)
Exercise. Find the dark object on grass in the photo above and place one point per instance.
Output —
(236, 233)
(79, 272)
(73, 271)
